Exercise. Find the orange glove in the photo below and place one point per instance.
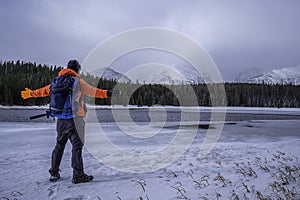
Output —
(26, 93)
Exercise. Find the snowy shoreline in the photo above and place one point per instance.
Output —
(166, 107)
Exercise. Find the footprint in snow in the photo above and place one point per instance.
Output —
(52, 191)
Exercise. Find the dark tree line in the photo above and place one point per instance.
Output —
(15, 76)
(263, 95)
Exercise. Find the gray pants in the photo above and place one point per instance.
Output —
(74, 130)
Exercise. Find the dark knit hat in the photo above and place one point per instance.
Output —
(74, 65)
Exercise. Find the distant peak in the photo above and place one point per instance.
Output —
(284, 75)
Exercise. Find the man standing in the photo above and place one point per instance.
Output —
(72, 128)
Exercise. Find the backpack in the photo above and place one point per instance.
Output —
(64, 102)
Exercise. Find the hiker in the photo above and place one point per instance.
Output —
(70, 126)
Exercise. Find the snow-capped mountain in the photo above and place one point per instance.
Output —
(164, 77)
(282, 76)
(247, 74)
(110, 74)
(162, 74)
(154, 74)
(191, 75)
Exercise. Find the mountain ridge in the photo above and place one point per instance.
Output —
(156, 74)
(285, 75)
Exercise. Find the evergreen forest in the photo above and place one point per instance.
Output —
(16, 75)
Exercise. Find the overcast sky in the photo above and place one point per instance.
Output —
(237, 34)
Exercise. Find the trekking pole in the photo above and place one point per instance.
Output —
(38, 116)
(41, 115)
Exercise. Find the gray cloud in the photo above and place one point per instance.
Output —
(237, 34)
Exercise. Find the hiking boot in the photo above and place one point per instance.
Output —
(83, 179)
(54, 177)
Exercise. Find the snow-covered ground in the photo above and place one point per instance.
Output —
(252, 159)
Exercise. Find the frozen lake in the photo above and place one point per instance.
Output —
(104, 114)
(257, 155)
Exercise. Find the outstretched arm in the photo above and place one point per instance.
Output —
(41, 92)
(91, 91)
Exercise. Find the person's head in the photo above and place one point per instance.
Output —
(74, 65)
